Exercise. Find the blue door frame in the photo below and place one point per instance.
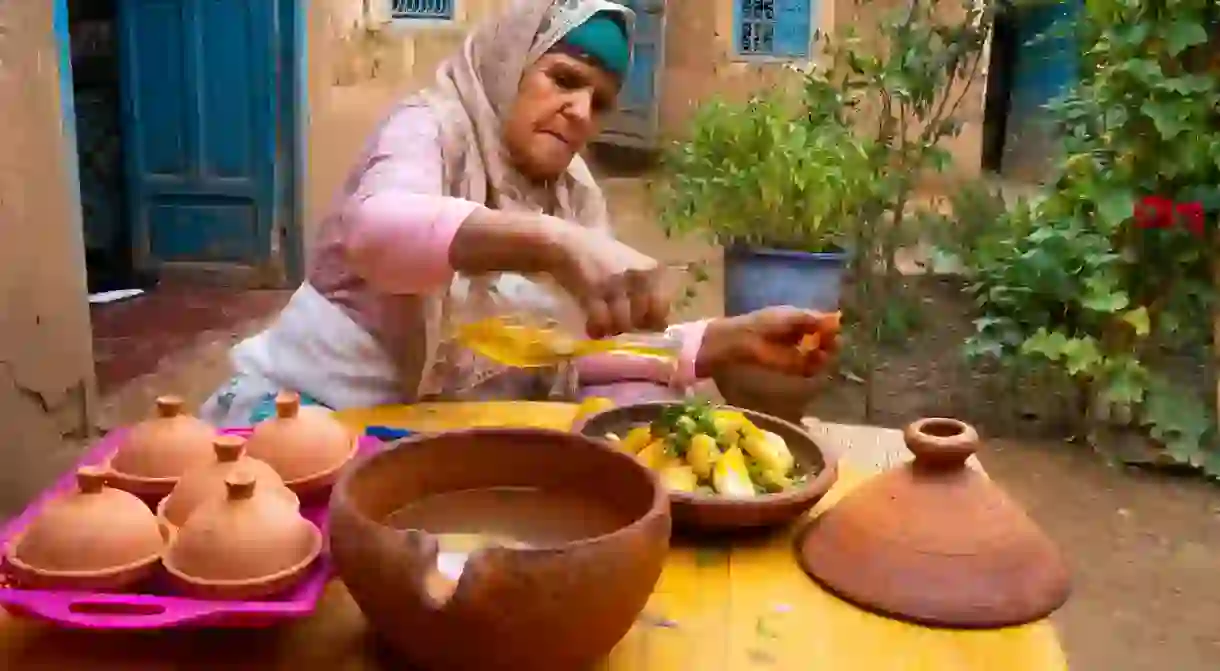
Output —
(277, 250)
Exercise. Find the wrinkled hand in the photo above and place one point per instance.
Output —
(782, 339)
(618, 288)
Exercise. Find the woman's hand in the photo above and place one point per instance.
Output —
(618, 288)
(782, 339)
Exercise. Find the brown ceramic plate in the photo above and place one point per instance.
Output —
(701, 512)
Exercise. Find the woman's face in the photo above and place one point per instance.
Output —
(560, 106)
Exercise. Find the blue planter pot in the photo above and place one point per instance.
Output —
(757, 277)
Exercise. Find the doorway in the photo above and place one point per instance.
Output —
(1033, 61)
(99, 146)
(188, 139)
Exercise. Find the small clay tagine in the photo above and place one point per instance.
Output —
(158, 451)
(306, 446)
(936, 542)
(208, 483)
(244, 546)
(95, 539)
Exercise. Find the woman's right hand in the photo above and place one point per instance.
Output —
(619, 289)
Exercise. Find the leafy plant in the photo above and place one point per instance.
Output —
(764, 173)
(1081, 281)
(905, 83)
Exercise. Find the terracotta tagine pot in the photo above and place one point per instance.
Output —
(247, 545)
(95, 539)
(306, 446)
(559, 600)
(158, 451)
(208, 483)
(936, 542)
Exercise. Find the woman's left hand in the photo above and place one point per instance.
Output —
(782, 339)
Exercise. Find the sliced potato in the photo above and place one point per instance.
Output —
(655, 455)
(730, 476)
(679, 478)
(636, 439)
(702, 454)
(769, 450)
(728, 421)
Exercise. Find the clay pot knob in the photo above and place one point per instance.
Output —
(941, 443)
(90, 479)
(169, 406)
(229, 448)
(240, 485)
(287, 405)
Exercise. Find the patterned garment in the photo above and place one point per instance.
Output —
(472, 93)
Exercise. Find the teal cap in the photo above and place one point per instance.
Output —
(604, 39)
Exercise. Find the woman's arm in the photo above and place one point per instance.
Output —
(773, 338)
(608, 368)
(404, 237)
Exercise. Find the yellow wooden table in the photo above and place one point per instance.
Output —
(751, 606)
(715, 609)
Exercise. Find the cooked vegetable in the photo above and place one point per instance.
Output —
(696, 447)
(679, 478)
(655, 455)
(730, 477)
(729, 421)
(774, 481)
(702, 455)
(636, 440)
(769, 449)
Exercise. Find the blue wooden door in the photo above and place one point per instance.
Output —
(199, 82)
(635, 124)
(1045, 69)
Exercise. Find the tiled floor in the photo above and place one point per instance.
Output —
(131, 338)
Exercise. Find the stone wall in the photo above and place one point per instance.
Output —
(46, 362)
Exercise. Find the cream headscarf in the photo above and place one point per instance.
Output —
(474, 89)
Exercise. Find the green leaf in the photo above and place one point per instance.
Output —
(1081, 355)
(1106, 302)
(1115, 206)
(1168, 118)
(1182, 34)
(1138, 319)
(1049, 344)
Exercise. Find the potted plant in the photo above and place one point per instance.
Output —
(773, 181)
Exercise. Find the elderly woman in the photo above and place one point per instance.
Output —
(472, 199)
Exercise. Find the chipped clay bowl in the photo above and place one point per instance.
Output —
(562, 604)
(709, 513)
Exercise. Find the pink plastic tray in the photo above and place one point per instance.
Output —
(154, 607)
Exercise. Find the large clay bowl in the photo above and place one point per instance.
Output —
(546, 607)
(709, 513)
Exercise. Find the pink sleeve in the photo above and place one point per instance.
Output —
(609, 368)
(398, 226)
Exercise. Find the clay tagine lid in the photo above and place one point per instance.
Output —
(936, 542)
(243, 545)
(306, 445)
(208, 483)
(164, 447)
(96, 529)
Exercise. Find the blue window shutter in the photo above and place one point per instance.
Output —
(421, 9)
(793, 20)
